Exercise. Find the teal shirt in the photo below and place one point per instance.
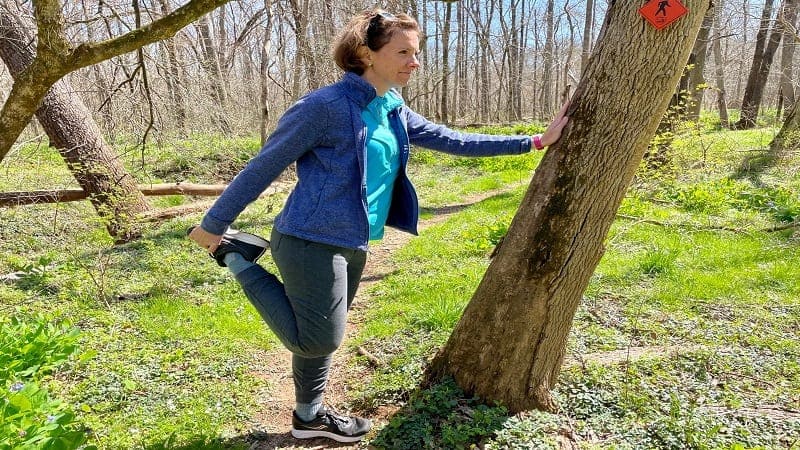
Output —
(383, 160)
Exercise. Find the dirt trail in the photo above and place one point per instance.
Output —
(275, 418)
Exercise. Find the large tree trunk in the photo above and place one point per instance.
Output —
(510, 341)
(71, 129)
(762, 61)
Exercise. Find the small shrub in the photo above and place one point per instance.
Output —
(440, 417)
(29, 417)
(657, 261)
(486, 238)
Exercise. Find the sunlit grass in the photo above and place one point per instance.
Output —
(175, 341)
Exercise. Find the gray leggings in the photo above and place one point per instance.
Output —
(308, 311)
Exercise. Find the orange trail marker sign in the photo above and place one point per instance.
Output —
(661, 13)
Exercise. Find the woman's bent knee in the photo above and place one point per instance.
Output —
(317, 349)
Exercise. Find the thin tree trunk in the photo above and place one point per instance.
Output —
(789, 19)
(461, 79)
(697, 80)
(444, 107)
(719, 67)
(173, 78)
(264, 73)
(305, 55)
(548, 69)
(743, 53)
(588, 24)
(510, 342)
(211, 63)
(570, 48)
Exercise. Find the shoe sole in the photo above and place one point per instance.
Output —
(309, 434)
(247, 238)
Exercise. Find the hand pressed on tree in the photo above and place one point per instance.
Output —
(553, 132)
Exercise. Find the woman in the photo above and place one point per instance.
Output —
(351, 141)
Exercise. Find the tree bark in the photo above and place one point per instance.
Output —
(510, 342)
(71, 130)
(56, 57)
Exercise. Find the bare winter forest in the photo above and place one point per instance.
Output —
(235, 70)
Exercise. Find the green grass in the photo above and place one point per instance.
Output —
(731, 295)
(167, 347)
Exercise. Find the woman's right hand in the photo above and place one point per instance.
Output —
(204, 239)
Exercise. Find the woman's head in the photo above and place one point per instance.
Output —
(369, 30)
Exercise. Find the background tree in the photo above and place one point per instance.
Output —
(697, 62)
(767, 41)
(56, 56)
(588, 27)
(788, 20)
(71, 130)
(719, 66)
(510, 341)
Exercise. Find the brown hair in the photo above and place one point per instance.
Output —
(369, 29)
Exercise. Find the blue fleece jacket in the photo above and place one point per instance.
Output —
(325, 134)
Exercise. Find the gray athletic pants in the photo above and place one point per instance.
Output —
(308, 311)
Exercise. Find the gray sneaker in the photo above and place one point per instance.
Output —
(330, 425)
(250, 246)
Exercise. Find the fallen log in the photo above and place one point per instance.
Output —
(71, 195)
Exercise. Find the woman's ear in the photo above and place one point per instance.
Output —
(365, 56)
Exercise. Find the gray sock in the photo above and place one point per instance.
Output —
(236, 263)
(307, 411)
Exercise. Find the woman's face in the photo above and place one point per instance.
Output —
(392, 65)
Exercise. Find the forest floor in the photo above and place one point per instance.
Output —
(685, 336)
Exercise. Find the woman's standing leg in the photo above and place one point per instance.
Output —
(320, 281)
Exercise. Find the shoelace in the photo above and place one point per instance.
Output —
(338, 420)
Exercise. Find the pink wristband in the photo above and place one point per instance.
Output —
(537, 141)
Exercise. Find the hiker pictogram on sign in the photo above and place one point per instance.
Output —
(661, 13)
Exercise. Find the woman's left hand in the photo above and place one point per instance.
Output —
(553, 132)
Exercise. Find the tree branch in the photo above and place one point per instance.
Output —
(54, 61)
(163, 28)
